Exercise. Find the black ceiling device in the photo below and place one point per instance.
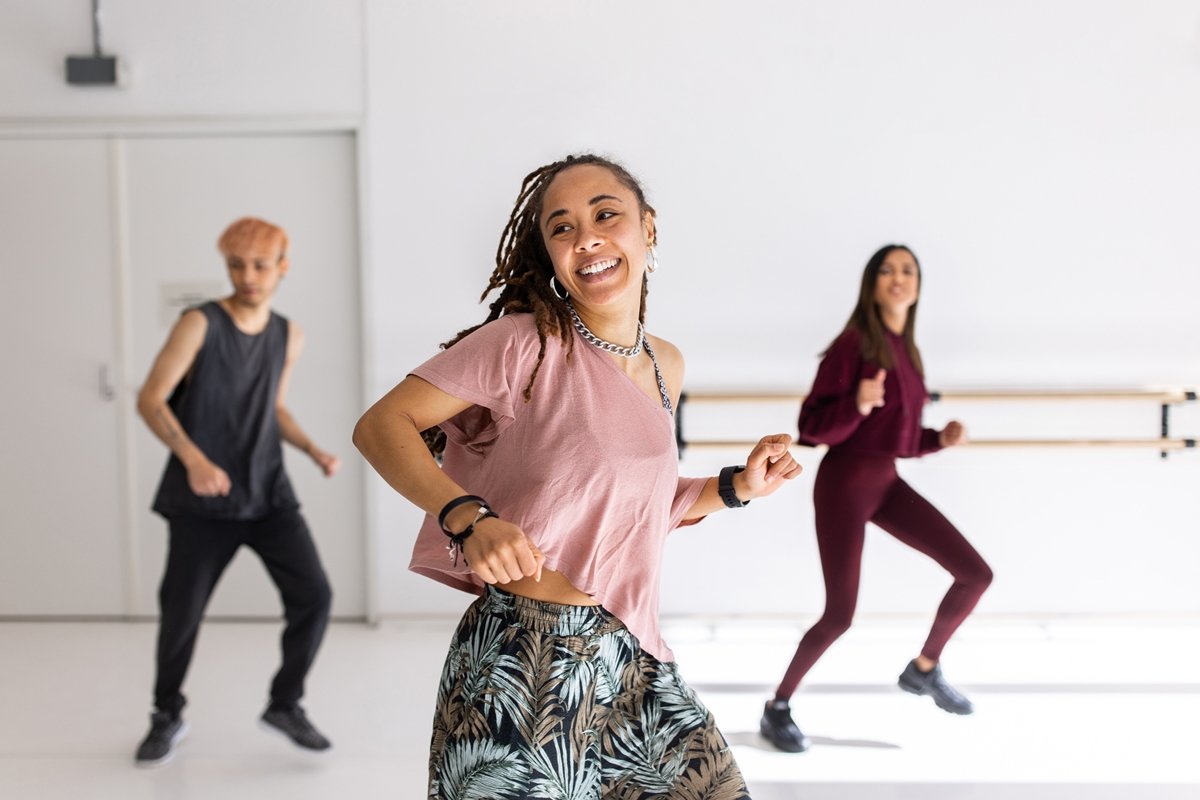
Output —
(96, 69)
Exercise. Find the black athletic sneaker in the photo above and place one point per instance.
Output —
(294, 724)
(166, 729)
(933, 684)
(778, 728)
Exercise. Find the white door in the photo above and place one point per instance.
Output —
(62, 546)
(182, 192)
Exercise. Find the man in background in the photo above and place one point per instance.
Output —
(216, 397)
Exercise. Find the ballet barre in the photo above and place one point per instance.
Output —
(1165, 398)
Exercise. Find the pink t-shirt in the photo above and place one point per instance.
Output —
(588, 467)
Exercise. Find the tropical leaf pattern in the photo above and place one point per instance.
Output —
(561, 703)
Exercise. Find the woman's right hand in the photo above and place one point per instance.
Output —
(500, 552)
(870, 393)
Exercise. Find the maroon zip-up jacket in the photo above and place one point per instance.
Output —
(829, 415)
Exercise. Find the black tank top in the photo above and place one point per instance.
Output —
(226, 404)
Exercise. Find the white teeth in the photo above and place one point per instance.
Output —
(599, 266)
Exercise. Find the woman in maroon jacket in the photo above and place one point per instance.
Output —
(866, 404)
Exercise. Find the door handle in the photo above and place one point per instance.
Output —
(107, 391)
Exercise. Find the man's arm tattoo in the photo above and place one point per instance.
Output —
(169, 429)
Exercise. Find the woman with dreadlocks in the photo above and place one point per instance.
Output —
(559, 485)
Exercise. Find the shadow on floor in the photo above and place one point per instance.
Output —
(752, 739)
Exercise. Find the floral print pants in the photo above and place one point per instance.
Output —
(539, 700)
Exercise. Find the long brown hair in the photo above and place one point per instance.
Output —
(523, 268)
(868, 322)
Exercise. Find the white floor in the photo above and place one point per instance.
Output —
(1097, 709)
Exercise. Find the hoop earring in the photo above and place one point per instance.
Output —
(651, 260)
(555, 286)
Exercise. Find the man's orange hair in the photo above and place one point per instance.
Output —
(249, 231)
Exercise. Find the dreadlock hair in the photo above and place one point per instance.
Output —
(523, 269)
(866, 320)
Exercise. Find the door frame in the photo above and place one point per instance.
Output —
(117, 132)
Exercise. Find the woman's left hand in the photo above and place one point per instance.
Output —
(953, 434)
(767, 467)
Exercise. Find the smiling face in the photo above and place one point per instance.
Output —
(596, 234)
(897, 284)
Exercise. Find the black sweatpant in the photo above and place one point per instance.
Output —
(198, 553)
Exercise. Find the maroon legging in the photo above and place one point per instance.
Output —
(851, 490)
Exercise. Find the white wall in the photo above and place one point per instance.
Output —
(215, 58)
(1040, 158)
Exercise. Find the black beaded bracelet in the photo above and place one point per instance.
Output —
(725, 487)
(455, 503)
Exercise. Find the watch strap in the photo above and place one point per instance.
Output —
(725, 487)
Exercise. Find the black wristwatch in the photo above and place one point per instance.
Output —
(725, 487)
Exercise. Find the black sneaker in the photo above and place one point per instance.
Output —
(294, 724)
(933, 684)
(166, 729)
(778, 728)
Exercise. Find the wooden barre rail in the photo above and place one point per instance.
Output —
(1165, 398)
(1154, 444)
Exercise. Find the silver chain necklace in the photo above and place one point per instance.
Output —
(596, 341)
(626, 352)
